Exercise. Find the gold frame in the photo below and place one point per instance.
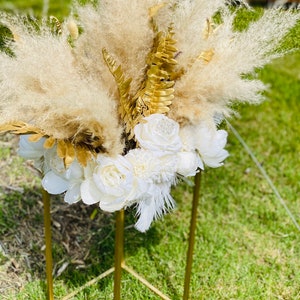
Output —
(119, 264)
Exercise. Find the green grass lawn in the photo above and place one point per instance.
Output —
(246, 247)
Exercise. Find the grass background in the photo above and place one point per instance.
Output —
(246, 246)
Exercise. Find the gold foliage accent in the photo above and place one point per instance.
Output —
(81, 146)
(154, 9)
(126, 105)
(66, 151)
(19, 128)
(206, 55)
(157, 92)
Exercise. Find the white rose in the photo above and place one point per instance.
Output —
(188, 136)
(188, 163)
(158, 133)
(210, 144)
(114, 180)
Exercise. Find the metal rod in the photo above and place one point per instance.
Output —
(89, 283)
(119, 253)
(189, 260)
(48, 240)
(145, 282)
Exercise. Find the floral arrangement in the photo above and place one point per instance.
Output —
(119, 101)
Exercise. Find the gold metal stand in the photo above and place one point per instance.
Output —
(119, 253)
(48, 240)
(119, 264)
(189, 259)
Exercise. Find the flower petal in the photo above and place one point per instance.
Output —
(89, 192)
(112, 204)
(30, 150)
(54, 184)
(73, 194)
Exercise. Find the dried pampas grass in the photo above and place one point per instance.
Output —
(68, 90)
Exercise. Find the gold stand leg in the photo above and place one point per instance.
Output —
(120, 260)
(119, 253)
(48, 238)
(189, 260)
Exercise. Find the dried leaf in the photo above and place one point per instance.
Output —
(83, 156)
(35, 137)
(70, 154)
(66, 151)
(157, 92)
(49, 143)
(155, 9)
(206, 55)
(126, 105)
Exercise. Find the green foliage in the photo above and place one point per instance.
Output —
(246, 245)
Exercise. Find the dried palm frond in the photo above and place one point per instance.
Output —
(156, 92)
(126, 105)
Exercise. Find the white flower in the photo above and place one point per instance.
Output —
(31, 150)
(152, 166)
(75, 176)
(211, 145)
(54, 181)
(158, 133)
(154, 172)
(68, 181)
(54, 184)
(54, 163)
(206, 140)
(188, 163)
(111, 184)
(188, 136)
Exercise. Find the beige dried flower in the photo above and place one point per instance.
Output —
(160, 57)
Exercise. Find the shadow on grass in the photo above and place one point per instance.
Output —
(82, 237)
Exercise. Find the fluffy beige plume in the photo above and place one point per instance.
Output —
(71, 93)
(41, 86)
(209, 86)
(123, 29)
